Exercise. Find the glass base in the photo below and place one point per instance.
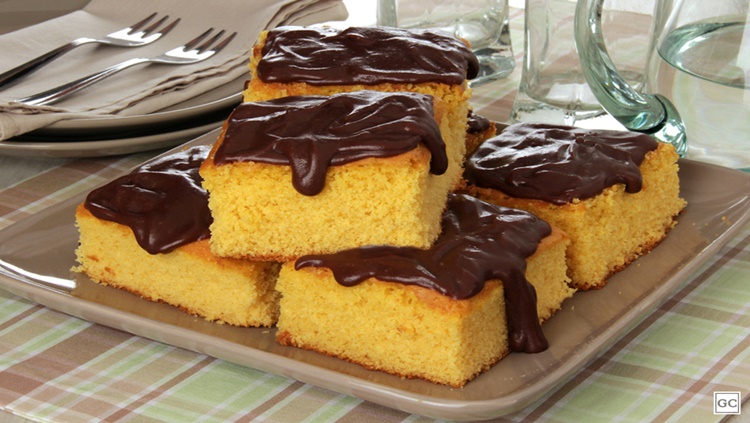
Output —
(497, 60)
(526, 109)
(493, 64)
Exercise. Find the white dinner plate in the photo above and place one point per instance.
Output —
(36, 255)
(105, 147)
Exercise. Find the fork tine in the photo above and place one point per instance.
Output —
(140, 24)
(191, 44)
(155, 25)
(210, 41)
(225, 42)
(169, 27)
(215, 38)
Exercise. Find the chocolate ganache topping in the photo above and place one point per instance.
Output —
(477, 123)
(162, 201)
(558, 164)
(479, 242)
(310, 133)
(364, 55)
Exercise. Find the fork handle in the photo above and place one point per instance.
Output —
(58, 93)
(13, 75)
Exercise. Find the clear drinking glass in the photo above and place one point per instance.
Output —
(553, 86)
(484, 23)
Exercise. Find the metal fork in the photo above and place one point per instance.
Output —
(183, 55)
(133, 36)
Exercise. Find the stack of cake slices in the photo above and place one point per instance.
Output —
(333, 205)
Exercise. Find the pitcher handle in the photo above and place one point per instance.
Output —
(653, 114)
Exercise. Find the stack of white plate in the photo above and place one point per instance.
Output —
(113, 135)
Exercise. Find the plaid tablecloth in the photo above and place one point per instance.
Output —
(54, 367)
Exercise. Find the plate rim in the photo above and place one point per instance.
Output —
(105, 147)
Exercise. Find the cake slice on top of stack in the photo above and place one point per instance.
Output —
(318, 174)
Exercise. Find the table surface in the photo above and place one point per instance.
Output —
(54, 367)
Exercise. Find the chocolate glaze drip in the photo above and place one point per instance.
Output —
(309, 133)
(558, 164)
(162, 201)
(477, 123)
(364, 55)
(480, 242)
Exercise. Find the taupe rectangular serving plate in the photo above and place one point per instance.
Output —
(36, 255)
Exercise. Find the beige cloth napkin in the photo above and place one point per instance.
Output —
(145, 88)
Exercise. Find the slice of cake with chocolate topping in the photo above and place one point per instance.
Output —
(318, 174)
(290, 61)
(615, 193)
(443, 314)
(147, 233)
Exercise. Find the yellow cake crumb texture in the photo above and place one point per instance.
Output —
(237, 292)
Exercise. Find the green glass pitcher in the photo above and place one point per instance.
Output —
(697, 83)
